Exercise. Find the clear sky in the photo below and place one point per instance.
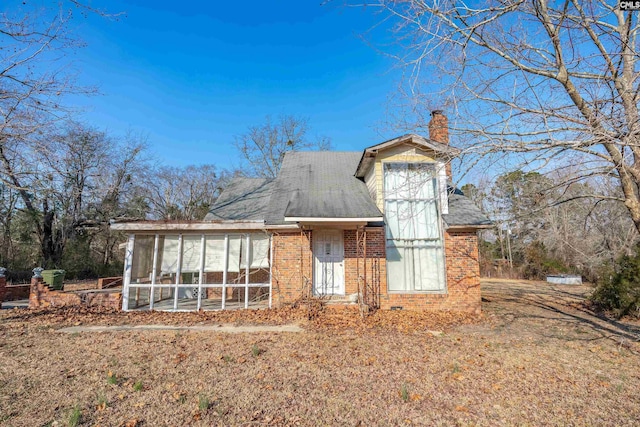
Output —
(191, 75)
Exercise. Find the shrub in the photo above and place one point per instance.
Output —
(538, 263)
(618, 288)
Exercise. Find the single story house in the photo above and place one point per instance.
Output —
(382, 227)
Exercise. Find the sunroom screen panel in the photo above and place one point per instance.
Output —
(170, 248)
(214, 253)
(259, 252)
(142, 262)
(191, 253)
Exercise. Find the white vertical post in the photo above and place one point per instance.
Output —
(128, 263)
(270, 269)
(442, 188)
(154, 271)
(224, 272)
(178, 272)
(246, 271)
(202, 254)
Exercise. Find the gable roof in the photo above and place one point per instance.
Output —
(316, 184)
(369, 154)
(320, 184)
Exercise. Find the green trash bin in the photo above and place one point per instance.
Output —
(53, 278)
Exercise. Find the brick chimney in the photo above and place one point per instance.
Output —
(439, 127)
(439, 132)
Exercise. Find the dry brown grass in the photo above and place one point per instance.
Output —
(537, 357)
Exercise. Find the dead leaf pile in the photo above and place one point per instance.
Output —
(398, 321)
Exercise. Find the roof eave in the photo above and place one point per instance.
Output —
(370, 153)
(468, 227)
(306, 219)
(191, 226)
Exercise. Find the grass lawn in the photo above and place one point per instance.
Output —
(537, 356)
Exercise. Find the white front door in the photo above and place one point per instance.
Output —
(328, 254)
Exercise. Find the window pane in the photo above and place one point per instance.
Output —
(214, 253)
(396, 269)
(411, 208)
(259, 252)
(428, 268)
(142, 262)
(424, 221)
(235, 248)
(169, 254)
(260, 245)
(415, 256)
(191, 253)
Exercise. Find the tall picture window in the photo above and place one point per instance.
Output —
(415, 250)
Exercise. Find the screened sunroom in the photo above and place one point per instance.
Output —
(195, 266)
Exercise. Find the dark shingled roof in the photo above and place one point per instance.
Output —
(318, 184)
(243, 199)
(462, 211)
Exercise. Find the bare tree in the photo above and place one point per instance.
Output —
(262, 147)
(183, 193)
(34, 79)
(8, 200)
(539, 235)
(47, 172)
(553, 83)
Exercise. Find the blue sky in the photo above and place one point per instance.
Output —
(191, 75)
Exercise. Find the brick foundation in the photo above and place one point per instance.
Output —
(81, 286)
(255, 276)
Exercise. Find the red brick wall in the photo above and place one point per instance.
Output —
(255, 276)
(463, 279)
(14, 292)
(293, 263)
(354, 267)
(292, 269)
(72, 287)
(350, 262)
(42, 296)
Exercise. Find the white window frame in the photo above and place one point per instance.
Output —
(401, 243)
(153, 286)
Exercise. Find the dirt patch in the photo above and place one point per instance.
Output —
(537, 357)
(521, 308)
